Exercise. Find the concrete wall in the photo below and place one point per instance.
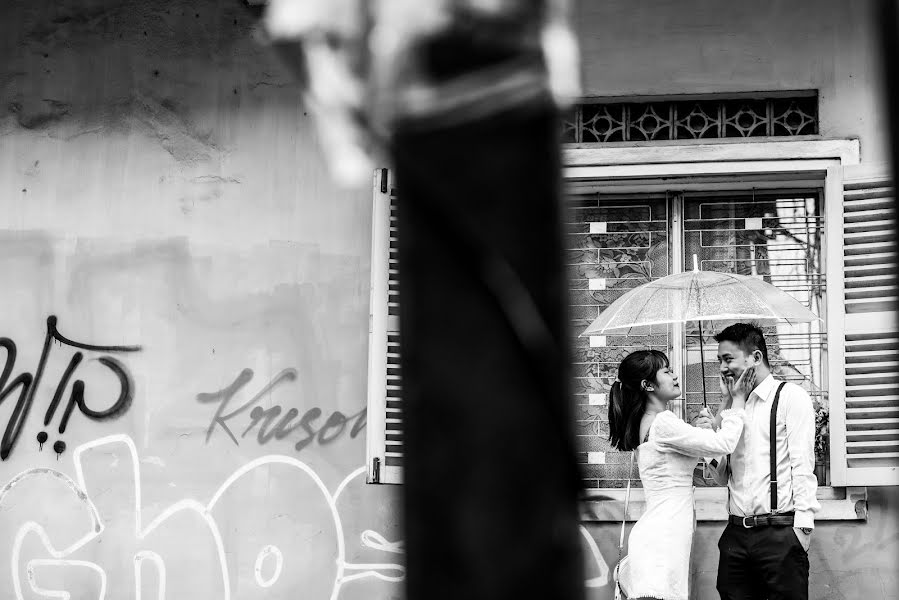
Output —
(848, 560)
(642, 47)
(160, 187)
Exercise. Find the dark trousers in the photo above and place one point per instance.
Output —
(762, 563)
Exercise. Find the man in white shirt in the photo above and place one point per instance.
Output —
(764, 548)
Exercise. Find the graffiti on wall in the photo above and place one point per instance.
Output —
(270, 527)
(269, 422)
(277, 561)
(27, 384)
(38, 565)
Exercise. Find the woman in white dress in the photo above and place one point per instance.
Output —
(668, 450)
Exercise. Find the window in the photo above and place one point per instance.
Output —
(618, 242)
(771, 208)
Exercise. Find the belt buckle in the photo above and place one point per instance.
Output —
(748, 526)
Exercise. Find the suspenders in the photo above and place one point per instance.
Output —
(774, 447)
(773, 451)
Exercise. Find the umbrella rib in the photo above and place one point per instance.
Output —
(763, 303)
(620, 308)
(694, 284)
(646, 303)
(655, 292)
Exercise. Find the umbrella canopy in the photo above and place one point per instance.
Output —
(699, 296)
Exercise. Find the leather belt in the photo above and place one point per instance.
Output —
(778, 520)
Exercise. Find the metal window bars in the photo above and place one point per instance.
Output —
(650, 119)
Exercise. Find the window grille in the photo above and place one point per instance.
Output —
(618, 243)
(613, 245)
(648, 120)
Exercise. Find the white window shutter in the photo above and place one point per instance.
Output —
(864, 403)
(384, 447)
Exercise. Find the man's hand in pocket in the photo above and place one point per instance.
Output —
(804, 538)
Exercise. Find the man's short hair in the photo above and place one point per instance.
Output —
(747, 336)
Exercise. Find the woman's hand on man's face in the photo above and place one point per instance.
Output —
(725, 386)
(743, 386)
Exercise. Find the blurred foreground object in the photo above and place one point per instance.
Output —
(371, 63)
(462, 98)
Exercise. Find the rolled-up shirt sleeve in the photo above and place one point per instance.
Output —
(799, 417)
(672, 434)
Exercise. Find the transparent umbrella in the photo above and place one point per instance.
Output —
(699, 296)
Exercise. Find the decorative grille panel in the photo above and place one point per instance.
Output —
(777, 237)
(601, 121)
(614, 244)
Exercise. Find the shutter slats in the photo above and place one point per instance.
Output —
(859, 413)
(394, 415)
(866, 223)
(874, 465)
(867, 398)
(879, 236)
(872, 269)
(873, 424)
(860, 357)
(861, 190)
(871, 380)
(870, 452)
(871, 367)
(871, 305)
(891, 435)
(878, 447)
(855, 280)
(870, 258)
(385, 432)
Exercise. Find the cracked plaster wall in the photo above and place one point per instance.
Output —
(669, 47)
(161, 186)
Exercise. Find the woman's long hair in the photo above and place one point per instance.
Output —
(627, 399)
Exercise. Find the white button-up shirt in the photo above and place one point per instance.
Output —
(750, 463)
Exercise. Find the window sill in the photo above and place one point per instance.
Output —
(717, 149)
(837, 504)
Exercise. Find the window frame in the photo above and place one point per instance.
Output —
(644, 167)
(721, 165)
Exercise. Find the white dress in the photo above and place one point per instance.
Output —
(660, 542)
